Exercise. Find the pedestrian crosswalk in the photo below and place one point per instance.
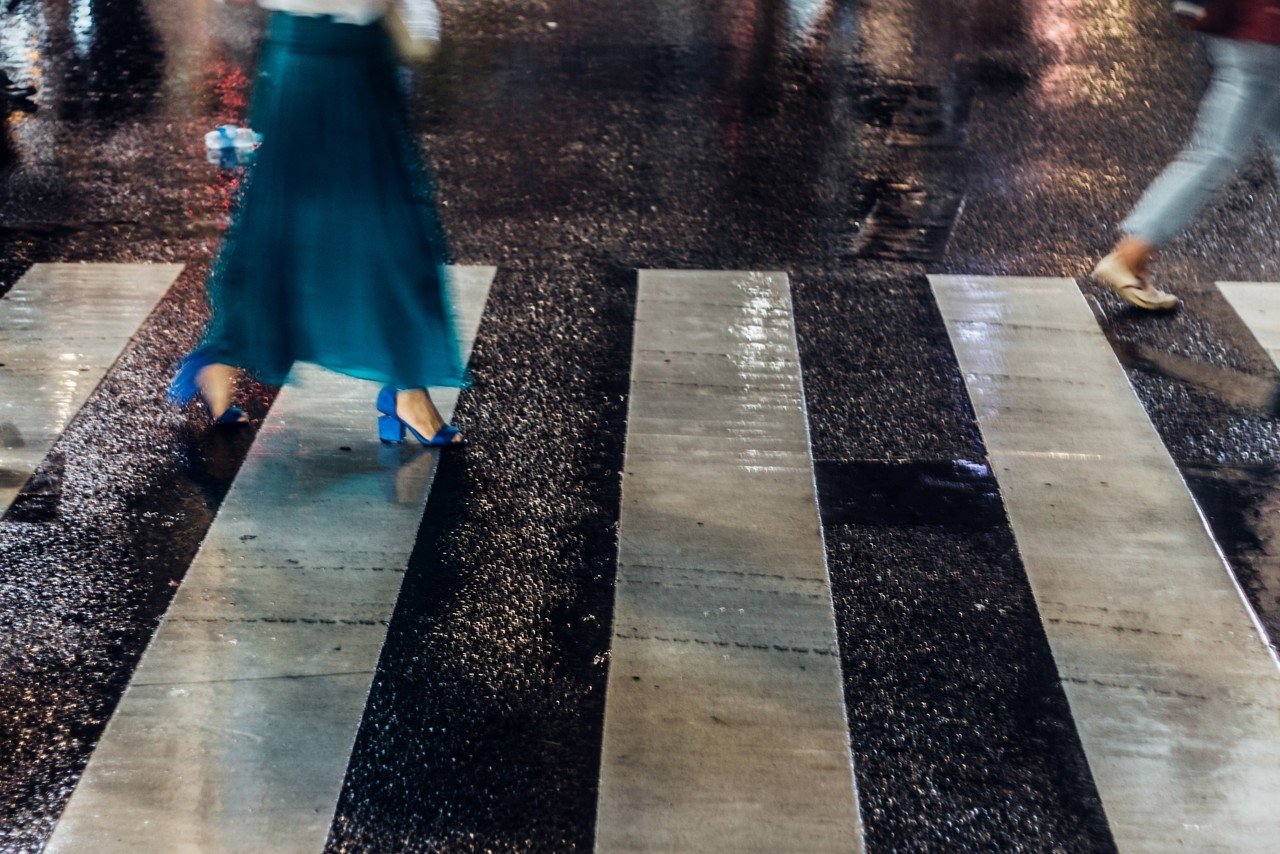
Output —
(1258, 304)
(725, 726)
(1174, 692)
(61, 328)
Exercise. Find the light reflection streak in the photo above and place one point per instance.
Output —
(1050, 455)
(19, 44)
(1053, 25)
(82, 25)
(1060, 26)
(977, 333)
(806, 15)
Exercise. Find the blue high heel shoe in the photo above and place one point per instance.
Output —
(184, 387)
(391, 427)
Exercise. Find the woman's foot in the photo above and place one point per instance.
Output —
(418, 411)
(217, 384)
(213, 383)
(1125, 272)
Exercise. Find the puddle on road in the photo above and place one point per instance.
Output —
(917, 201)
(950, 493)
(1240, 502)
(1242, 505)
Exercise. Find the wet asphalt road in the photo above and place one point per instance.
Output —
(856, 145)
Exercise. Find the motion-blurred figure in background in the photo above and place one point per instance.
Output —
(335, 255)
(1241, 105)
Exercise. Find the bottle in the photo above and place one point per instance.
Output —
(231, 136)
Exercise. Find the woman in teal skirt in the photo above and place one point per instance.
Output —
(335, 255)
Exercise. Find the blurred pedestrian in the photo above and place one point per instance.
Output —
(1241, 106)
(335, 255)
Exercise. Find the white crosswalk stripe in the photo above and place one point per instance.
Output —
(1258, 304)
(235, 732)
(725, 726)
(1174, 692)
(61, 327)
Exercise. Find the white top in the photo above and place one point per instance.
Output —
(420, 17)
(348, 11)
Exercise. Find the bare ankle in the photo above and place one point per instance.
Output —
(416, 406)
(1135, 253)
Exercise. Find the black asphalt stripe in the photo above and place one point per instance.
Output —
(92, 551)
(484, 722)
(1240, 504)
(962, 737)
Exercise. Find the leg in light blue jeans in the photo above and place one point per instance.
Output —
(1241, 106)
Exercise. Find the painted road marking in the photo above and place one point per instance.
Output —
(1175, 694)
(235, 732)
(62, 326)
(725, 726)
(1258, 304)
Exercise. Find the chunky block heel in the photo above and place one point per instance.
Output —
(390, 429)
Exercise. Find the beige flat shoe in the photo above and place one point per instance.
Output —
(1112, 272)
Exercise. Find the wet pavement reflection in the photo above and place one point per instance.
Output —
(856, 145)
(802, 137)
(957, 493)
(573, 143)
(107, 60)
(1242, 504)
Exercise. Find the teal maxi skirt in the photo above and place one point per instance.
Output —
(335, 255)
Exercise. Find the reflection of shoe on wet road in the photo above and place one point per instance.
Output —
(10, 436)
(1272, 406)
(822, 539)
(16, 97)
(1113, 273)
(1238, 389)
